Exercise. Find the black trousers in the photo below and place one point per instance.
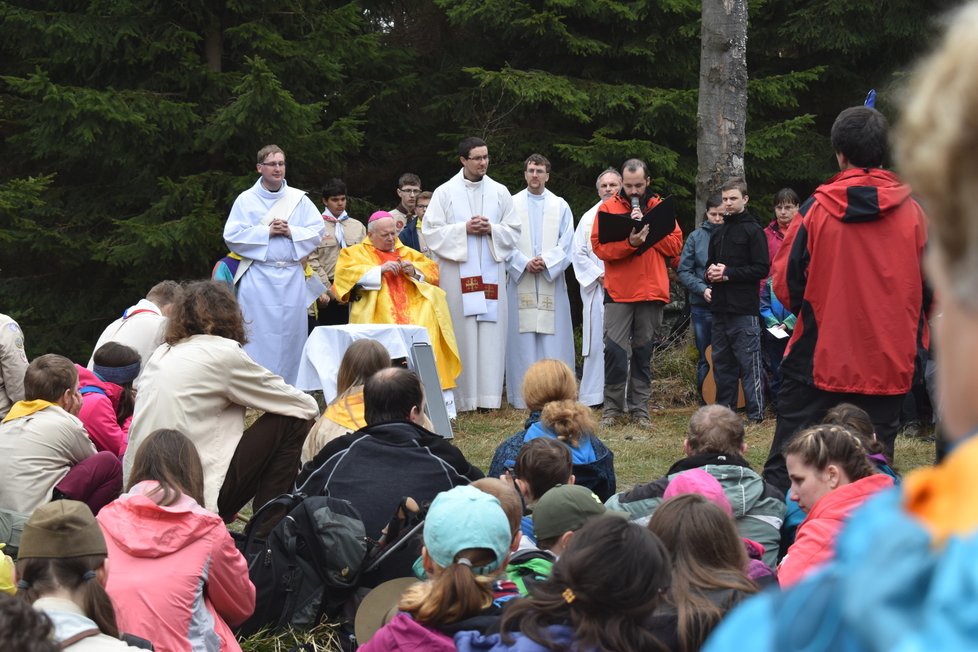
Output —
(265, 463)
(801, 406)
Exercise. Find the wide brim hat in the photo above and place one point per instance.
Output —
(379, 607)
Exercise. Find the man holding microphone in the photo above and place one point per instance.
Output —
(636, 291)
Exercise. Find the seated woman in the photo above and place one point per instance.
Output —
(108, 397)
(200, 382)
(857, 421)
(602, 589)
(830, 477)
(709, 566)
(62, 572)
(177, 577)
(467, 541)
(345, 413)
(550, 392)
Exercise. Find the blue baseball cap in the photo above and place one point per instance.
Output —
(464, 518)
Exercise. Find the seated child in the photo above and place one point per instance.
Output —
(108, 397)
(45, 452)
(177, 577)
(62, 570)
(467, 540)
(550, 391)
(599, 596)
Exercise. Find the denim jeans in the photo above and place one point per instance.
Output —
(703, 334)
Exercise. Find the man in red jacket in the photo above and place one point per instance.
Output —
(850, 270)
(636, 291)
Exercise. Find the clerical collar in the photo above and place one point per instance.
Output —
(472, 184)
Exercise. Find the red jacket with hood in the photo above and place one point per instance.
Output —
(850, 270)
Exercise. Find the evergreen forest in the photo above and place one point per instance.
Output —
(129, 126)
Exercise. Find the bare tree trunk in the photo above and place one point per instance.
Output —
(722, 112)
(214, 40)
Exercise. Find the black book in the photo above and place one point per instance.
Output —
(661, 220)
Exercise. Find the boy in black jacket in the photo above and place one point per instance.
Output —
(739, 260)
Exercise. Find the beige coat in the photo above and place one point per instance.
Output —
(201, 386)
(323, 259)
(13, 364)
(36, 453)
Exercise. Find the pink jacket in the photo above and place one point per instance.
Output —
(175, 576)
(815, 541)
(404, 634)
(98, 413)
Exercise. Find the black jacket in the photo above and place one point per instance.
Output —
(378, 465)
(739, 244)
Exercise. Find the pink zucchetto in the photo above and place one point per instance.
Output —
(379, 215)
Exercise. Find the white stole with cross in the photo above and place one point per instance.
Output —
(534, 293)
(479, 272)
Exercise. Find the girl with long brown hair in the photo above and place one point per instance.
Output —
(602, 589)
(175, 564)
(362, 359)
(708, 568)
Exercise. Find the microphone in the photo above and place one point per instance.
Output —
(634, 202)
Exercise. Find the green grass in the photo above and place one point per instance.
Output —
(642, 455)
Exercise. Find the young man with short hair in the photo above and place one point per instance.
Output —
(341, 231)
(408, 189)
(738, 261)
(636, 287)
(45, 452)
(715, 443)
(273, 228)
(472, 229)
(850, 272)
(539, 308)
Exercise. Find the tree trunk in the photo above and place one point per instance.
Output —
(722, 111)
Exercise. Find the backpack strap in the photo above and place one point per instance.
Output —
(91, 389)
(292, 580)
(85, 633)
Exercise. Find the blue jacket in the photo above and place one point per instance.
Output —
(891, 588)
(693, 263)
(562, 635)
(772, 311)
(598, 476)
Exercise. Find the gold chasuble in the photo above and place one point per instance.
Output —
(400, 299)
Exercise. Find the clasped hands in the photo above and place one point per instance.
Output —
(398, 267)
(478, 225)
(536, 265)
(716, 273)
(279, 227)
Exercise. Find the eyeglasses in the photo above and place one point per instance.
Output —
(411, 191)
(477, 159)
(273, 164)
(536, 173)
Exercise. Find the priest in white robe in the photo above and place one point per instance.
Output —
(539, 310)
(471, 230)
(273, 228)
(589, 270)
